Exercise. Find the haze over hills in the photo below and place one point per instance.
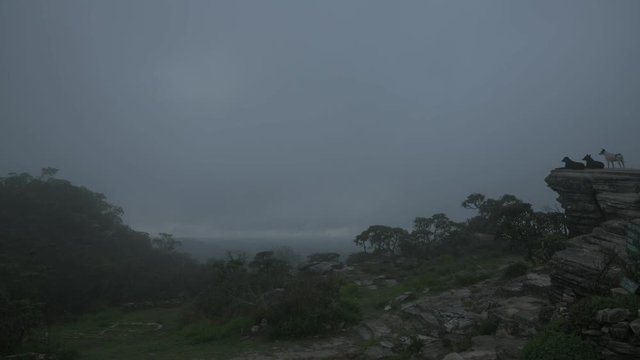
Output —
(203, 249)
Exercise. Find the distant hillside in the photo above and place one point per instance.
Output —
(203, 249)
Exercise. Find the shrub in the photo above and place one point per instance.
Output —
(547, 246)
(552, 344)
(18, 318)
(312, 305)
(581, 313)
(515, 270)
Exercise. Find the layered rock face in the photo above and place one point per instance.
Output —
(600, 206)
(590, 197)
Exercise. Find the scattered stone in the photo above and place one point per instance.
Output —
(386, 344)
(322, 267)
(611, 316)
(432, 348)
(619, 291)
(364, 332)
(378, 328)
(405, 296)
(620, 331)
(391, 282)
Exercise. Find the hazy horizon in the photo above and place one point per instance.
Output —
(313, 120)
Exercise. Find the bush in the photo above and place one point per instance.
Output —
(312, 305)
(553, 344)
(547, 246)
(515, 270)
(581, 313)
(18, 318)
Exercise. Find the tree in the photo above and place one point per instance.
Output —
(515, 222)
(382, 239)
(66, 247)
(474, 201)
(429, 233)
(165, 242)
(436, 229)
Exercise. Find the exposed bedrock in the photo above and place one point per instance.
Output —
(590, 197)
(600, 206)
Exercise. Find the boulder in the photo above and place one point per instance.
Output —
(635, 326)
(620, 331)
(453, 356)
(519, 315)
(611, 316)
(322, 267)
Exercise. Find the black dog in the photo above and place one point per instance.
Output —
(592, 164)
(570, 164)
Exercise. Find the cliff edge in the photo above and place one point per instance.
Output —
(591, 197)
(600, 206)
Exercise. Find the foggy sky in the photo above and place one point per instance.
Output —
(306, 119)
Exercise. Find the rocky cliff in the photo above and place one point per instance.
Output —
(590, 197)
(600, 206)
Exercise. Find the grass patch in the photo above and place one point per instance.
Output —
(93, 336)
(553, 344)
(206, 331)
(438, 274)
(467, 278)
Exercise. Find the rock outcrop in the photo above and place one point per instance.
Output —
(590, 197)
(600, 206)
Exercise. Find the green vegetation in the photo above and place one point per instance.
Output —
(633, 251)
(67, 256)
(312, 305)
(207, 331)
(510, 221)
(65, 249)
(553, 344)
(436, 275)
(582, 313)
(114, 334)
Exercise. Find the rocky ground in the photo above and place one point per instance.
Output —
(489, 320)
